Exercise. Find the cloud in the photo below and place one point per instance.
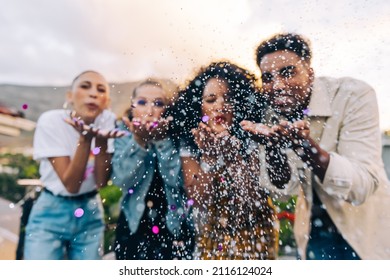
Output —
(49, 42)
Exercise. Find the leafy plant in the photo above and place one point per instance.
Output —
(285, 211)
(16, 166)
(110, 195)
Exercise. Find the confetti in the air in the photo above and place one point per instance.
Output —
(154, 125)
(306, 111)
(79, 212)
(88, 172)
(155, 229)
(96, 151)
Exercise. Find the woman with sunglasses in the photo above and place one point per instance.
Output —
(154, 222)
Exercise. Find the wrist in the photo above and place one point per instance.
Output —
(85, 140)
(301, 143)
(210, 168)
(211, 165)
(101, 142)
(210, 160)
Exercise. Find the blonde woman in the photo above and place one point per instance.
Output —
(154, 223)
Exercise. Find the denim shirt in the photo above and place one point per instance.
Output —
(133, 171)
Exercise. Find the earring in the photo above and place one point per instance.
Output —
(68, 109)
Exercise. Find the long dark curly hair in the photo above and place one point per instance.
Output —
(245, 97)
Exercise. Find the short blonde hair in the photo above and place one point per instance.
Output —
(170, 89)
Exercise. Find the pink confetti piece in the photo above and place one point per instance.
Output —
(88, 172)
(155, 229)
(96, 151)
(79, 212)
(306, 111)
(205, 118)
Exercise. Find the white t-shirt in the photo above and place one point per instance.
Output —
(55, 138)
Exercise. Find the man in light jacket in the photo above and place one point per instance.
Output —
(329, 128)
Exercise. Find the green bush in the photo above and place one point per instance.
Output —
(110, 195)
(25, 168)
(286, 208)
(9, 189)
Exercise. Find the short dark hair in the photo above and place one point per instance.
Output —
(284, 41)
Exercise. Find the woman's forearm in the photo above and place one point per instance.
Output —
(72, 171)
(102, 167)
(277, 166)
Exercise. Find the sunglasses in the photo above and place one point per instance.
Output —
(155, 103)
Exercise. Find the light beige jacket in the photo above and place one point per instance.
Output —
(343, 116)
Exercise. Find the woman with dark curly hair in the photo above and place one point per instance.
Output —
(234, 216)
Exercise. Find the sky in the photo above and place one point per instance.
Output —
(45, 42)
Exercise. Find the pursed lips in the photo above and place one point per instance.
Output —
(220, 119)
(92, 106)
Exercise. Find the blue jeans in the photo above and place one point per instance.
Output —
(60, 228)
(328, 245)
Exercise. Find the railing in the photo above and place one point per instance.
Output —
(33, 188)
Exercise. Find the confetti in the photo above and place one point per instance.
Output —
(205, 118)
(155, 229)
(96, 151)
(79, 212)
(154, 125)
(88, 172)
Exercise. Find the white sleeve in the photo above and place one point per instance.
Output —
(50, 138)
(106, 120)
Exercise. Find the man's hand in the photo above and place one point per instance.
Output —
(261, 133)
